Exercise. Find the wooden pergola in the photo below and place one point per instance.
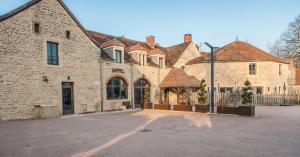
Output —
(178, 81)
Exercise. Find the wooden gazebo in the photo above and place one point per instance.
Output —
(179, 82)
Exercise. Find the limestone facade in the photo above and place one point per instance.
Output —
(31, 88)
(27, 81)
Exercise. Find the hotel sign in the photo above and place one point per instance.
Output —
(117, 70)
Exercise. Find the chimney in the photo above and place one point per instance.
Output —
(187, 38)
(150, 41)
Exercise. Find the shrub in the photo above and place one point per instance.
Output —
(247, 95)
(202, 97)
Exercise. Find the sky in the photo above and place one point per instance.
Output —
(219, 22)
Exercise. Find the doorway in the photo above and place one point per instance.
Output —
(139, 88)
(67, 98)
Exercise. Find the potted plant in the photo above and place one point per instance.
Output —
(247, 97)
(202, 105)
(147, 103)
(230, 109)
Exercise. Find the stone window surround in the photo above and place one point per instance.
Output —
(159, 56)
(124, 78)
(70, 34)
(257, 69)
(33, 27)
(116, 48)
(60, 54)
(138, 53)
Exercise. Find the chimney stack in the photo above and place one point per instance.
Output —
(150, 41)
(187, 38)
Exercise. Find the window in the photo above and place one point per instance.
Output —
(52, 53)
(252, 69)
(116, 89)
(161, 62)
(259, 90)
(226, 90)
(68, 34)
(36, 28)
(142, 59)
(118, 56)
(279, 69)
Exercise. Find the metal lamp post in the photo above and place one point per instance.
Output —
(212, 88)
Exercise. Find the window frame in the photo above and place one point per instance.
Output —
(112, 87)
(120, 56)
(252, 69)
(161, 62)
(280, 71)
(68, 34)
(51, 56)
(36, 30)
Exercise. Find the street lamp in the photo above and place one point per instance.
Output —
(212, 88)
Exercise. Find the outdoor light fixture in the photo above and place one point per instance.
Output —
(212, 49)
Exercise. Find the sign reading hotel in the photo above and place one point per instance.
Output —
(116, 70)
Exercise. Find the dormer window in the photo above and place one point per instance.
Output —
(142, 59)
(118, 56)
(161, 62)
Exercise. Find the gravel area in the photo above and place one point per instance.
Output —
(273, 132)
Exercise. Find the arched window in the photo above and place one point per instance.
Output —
(116, 89)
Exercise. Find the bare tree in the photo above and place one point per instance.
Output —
(291, 37)
(277, 49)
(289, 42)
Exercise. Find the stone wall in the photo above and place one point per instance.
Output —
(131, 73)
(190, 53)
(234, 74)
(23, 58)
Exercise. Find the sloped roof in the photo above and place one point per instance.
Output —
(135, 48)
(113, 42)
(173, 53)
(178, 78)
(32, 3)
(238, 51)
(105, 56)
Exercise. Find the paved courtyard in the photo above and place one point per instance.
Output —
(274, 132)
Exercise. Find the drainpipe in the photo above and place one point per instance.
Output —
(101, 81)
(131, 85)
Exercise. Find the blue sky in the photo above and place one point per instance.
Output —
(216, 21)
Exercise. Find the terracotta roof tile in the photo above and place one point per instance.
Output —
(136, 47)
(178, 78)
(113, 42)
(173, 53)
(239, 52)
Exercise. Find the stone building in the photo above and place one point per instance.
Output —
(47, 60)
(50, 65)
(240, 61)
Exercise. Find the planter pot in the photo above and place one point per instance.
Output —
(162, 107)
(147, 105)
(202, 108)
(227, 110)
(181, 108)
(246, 110)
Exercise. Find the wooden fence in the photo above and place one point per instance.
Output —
(229, 99)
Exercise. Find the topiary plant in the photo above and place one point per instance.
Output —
(147, 94)
(202, 98)
(247, 95)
